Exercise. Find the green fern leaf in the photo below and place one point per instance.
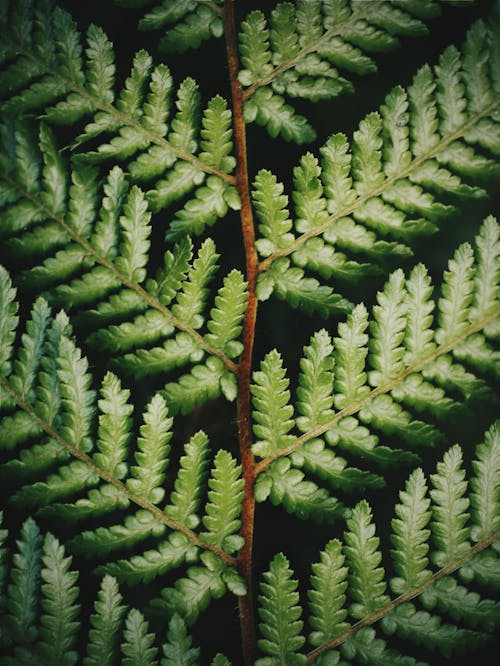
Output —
(152, 455)
(450, 508)
(82, 227)
(286, 485)
(208, 203)
(28, 359)
(327, 595)
(178, 650)
(171, 277)
(58, 625)
(106, 624)
(418, 334)
(485, 496)
(368, 649)
(224, 504)
(388, 332)
(366, 579)
(135, 245)
(314, 395)
(170, 554)
(272, 413)
(296, 54)
(106, 540)
(427, 629)
(483, 569)
(350, 354)
(290, 284)
(227, 315)
(216, 136)
(76, 396)
(192, 297)
(114, 427)
(403, 161)
(186, 496)
(196, 27)
(458, 291)
(486, 278)
(462, 605)
(8, 320)
(279, 613)
(137, 648)
(220, 660)
(201, 384)
(410, 535)
(175, 352)
(22, 602)
(271, 207)
(192, 594)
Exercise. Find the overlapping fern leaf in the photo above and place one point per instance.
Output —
(299, 51)
(351, 569)
(64, 461)
(384, 387)
(294, 54)
(435, 533)
(184, 25)
(41, 621)
(439, 538)
(86, 244)
(177, 151)
(360, 205)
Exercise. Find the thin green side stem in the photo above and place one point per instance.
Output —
(109, 478)
(126, 281)
(407, 596)
(355, 407)
(348, 210)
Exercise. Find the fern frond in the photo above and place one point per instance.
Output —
(193, 593)
(366, 582)
(54, 587)
(351, 571)
(485, 495)
(272, 413)
(327, 595)
(112, 485)
(106, 623)
(406, 167)
(102, 271)
(450, 509)
(137, 648)
(224, 506)
(8, 320)
(58, 624)
(314, 395)
(114, 427)
(378, 382)
(177, 649)
(297, 52)
(410, 535)
(152, 455)
(281, 627)
(22, 602)
(109, 172)
(185, 24)
(138, 120)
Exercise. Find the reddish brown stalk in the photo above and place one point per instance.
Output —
(246, 606)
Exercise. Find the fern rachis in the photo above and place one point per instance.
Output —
(125, 218)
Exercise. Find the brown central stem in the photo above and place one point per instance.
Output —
(246, 606)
